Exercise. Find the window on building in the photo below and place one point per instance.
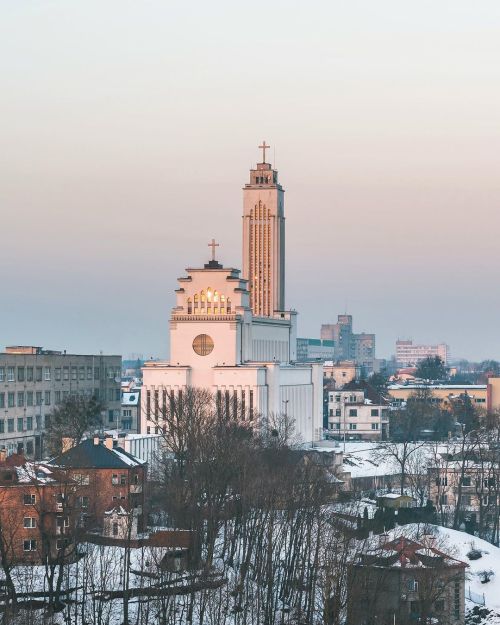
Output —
(46, 374)
(29, 500)
(114, 478)
(2, 400)
(29, 448)
(374, 426)
(39, 398)
(29, 522)
(111, 416)
(412, 585)
(331, 412)
(65, 373)
(57, 374)
(29, 545)
(115, 529)
(338, 412)
(353, 426)
(123, 479)
(20, 399)
(2, 374)
(81, 479)
(29, 398)
(126, 424)
(10, 374)
(10, 425)
(47, 398)
(2, 426)
(353, 412)
(29, 423)
(84, 502)
(29, 374)
(81, 373)
(20, 374)
(466, 480)
(337, 397)
(74, 373)
(57, 397)
(39, 372)
(374, 412)
(11, 399)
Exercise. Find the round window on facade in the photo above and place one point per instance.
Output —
(203, 344)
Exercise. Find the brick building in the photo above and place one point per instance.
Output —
(38, 513)
(108, 477)
(405, 581)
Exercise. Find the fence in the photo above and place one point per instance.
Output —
(475, 597)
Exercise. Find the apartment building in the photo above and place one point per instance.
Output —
(350, 345)
(408, 354)
(357, 412)
(33, 380)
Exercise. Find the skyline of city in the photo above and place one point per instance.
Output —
(127, 141)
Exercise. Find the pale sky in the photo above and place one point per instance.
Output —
(127, 132)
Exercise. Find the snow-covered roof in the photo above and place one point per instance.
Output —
(130, 399)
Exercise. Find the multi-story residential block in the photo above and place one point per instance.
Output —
(349, 345)
(107, 477)
(37, 511)
(408, 354)
(357, 412)
(34, 380)
(471, 484)
(314, 349)
(406, 581)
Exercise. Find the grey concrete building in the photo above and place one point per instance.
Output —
(34, 380)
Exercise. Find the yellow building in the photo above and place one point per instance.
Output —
(444, 394)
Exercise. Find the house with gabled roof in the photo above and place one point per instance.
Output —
(107, 477)
(406, 581)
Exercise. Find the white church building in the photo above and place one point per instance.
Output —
(230, 333)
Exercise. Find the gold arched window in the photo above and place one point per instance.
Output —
(190, 306)
(195, 301)
(228, 306)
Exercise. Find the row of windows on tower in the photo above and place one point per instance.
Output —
(209, 303)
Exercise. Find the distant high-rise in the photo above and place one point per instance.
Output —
(350, 345)
(408, 354)
(264, 239)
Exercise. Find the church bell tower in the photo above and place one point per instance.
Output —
(264, 239)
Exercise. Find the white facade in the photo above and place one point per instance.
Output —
(408, 354)
(352, 416)
(218, 343)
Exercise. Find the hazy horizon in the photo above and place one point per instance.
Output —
(128, 130)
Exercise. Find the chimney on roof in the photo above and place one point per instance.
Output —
(96, 440)
(67, 444)
(108, 442)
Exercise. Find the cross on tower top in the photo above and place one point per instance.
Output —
(264, 147)
(213, 245)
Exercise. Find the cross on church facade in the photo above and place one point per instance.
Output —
(213, 245)
(264, 147)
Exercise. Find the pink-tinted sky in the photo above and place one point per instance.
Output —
(127, 131)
